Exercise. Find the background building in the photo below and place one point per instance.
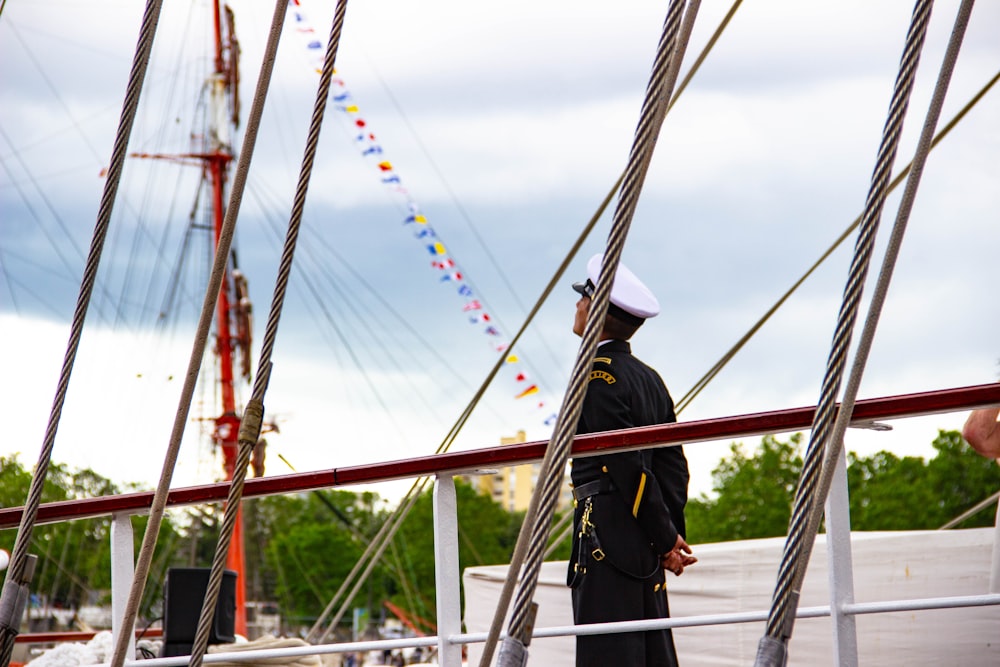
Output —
(512, 486)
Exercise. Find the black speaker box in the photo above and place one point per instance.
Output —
(183, 595)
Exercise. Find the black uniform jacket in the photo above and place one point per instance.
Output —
(623, 392)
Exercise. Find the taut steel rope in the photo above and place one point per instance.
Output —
(882, 284)
(781, 618)
(662, 80)
(201, 339)
(250, 424)
(14, 585)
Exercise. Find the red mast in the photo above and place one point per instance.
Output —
(224, 115)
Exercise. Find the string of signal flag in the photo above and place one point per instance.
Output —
(442, 261)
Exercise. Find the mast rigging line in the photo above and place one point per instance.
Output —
(391, 527)
(250, 424)
(772, 648)
(836, 440)
(98, 156)
(198, 349)
(693, 392)
(669, 54)
(15, 584)
(462, 212)
(972, 511)
(55, 214)
(373, 333)
(310, 256)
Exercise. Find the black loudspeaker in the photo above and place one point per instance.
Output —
(183, 595)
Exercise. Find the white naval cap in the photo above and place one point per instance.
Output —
(628, 293)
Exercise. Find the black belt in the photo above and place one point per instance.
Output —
(594, 488)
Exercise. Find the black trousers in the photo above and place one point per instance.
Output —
(605, 594)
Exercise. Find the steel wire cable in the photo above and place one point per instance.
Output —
(709, 45)
(517, 557)
(972, 511)
(250, 424)
(833, 452)
(212, 290)
(13, 583)
(557, 453)
(359, 537)
(407, 575)
(771, 648)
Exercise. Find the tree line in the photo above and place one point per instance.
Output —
(300, 548)
(753, 493)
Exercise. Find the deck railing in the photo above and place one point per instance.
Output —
(450, 639)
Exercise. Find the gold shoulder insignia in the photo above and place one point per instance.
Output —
(602, 375)
(605, 360)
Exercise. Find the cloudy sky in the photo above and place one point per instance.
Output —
(506, 124)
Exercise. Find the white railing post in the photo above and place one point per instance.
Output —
(995, 565)
(122, 572)
(446, 571)
(841, 566)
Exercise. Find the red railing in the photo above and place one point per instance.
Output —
(56, 637)
(890, 407)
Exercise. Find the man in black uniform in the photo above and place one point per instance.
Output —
(629, 516)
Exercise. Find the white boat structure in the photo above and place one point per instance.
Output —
(837, 603)
(893, 572)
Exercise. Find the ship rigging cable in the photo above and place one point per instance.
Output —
(198, 350)
(662, 80)
(14, 592)
(773, 646)
(250, 425)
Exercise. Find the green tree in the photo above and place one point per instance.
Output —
(962, 478)
(487, 534)
(312, 541)
(909, 493)
(890, 493)
(74, 556)
(754, 493)
(74, 565)
(14, 482)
